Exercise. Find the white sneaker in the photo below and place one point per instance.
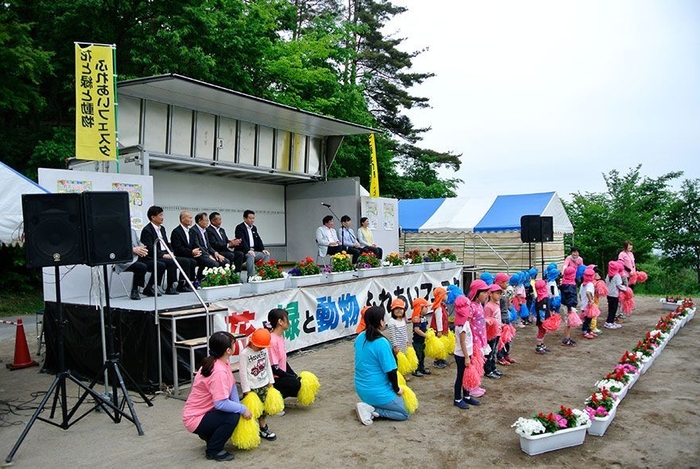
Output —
(364, 413)
(613, 325)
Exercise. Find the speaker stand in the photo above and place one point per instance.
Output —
(58, 388)
(116, 373)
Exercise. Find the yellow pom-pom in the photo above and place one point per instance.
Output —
(402, 362)
(409, 398)
(434, 348)
(447, 345)
(412, 358)
(453, 342)
(309, 388)
(246, 435)
(274, 402)
(253, 404)
(429, 334)
(401, 379)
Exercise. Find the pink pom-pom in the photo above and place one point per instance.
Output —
(641, 276)
(507, 335)
(633, 278)
(471, 378)
(574, 320)
(552, 323)
(601, 289)
(627, 300)
(491, 329)
(592, 311)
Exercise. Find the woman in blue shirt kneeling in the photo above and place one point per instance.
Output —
(376, 380)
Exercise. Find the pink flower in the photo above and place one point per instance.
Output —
(561, 421)
(590, 411)
(601, 411)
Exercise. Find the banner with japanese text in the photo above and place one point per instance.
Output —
(95, 103)
(319, 314)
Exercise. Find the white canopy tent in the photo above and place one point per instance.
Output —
(14, 185)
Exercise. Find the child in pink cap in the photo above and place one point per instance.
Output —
(492, 314)
(503, 280)
(614, 283)
(542, 313)
(464, 349)
(586, 295)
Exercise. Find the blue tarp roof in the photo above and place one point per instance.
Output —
(505, 213)
(413, 213)
(498, 214)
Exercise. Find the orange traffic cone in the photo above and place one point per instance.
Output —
(22, 357)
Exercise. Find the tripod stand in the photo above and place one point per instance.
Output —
(58, 388)
(115, 371)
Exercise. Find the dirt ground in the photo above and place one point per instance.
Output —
(657, 424)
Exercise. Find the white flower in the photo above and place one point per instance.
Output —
(582, 417)
(285, 275)
(255, 278)
(610, 384)
(527, 427)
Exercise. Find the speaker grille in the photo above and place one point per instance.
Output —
(107, 227)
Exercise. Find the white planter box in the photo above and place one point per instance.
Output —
(304, 280)
(538, 444)
(414, 267)
(633, 380)
(432, 265)
(600, 424)
(372, 272)
(691, 315)
(449, 264)
(394, 269)
(267, 286)
(340, 276)
(647, 363)
(621, 395)
(220, 293)
(669, 306)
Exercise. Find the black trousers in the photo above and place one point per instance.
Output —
(205, 261)
(140, 267)
(235, 258)
(490, 364)
(460, 391)
(164, 265)
(216, 428)
(377, 251)
(613, 303)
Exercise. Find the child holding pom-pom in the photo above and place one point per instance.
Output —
(614, 283)
(439, 322)
(256, 373)
(463, 352)
(420, 327)
(492, 313)
(213, 409)
(397, 328)
(590, 310)
(286, 380)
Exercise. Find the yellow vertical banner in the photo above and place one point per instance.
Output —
(374, 172)
(95, 103)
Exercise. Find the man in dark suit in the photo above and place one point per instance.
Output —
(218, 239)
(185, 249)
(149, 234)
(251, 245)
(199, 238)
(139, 266)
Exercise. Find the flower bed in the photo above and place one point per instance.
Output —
(549, 432)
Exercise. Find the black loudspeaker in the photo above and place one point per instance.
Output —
(547, 229)
(53, 229)
(530, 229)
(107, 227)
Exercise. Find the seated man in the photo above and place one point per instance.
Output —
(149, 234)
(185, 249)
(364, 237)
(198, 236)
(216, 235)
(348, 239)
(251, 244)
(327, 238)
(139, 266)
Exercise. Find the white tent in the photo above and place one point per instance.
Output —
(14, 185)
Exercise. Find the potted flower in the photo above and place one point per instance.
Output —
(394, 262)
(433, 259)
(304, 272)
(268, 277)
(601, 407)
(549, 432)
(449, 257)
(368, 265)
(413, 261)
(618, 388)
(219, 283)
(341, 267)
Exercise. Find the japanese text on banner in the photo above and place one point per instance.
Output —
(95, 100)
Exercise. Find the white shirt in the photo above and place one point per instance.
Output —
(468, 340)
(251, 241)
(204, 236)
(256, 370)
(187, 232)
(332, 235)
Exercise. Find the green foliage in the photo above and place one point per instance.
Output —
(680, 229)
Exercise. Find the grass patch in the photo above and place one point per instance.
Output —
(18, 304)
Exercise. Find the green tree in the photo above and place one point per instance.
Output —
(680, 229)
(632, 209)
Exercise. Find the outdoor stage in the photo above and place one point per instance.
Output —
(318, 314)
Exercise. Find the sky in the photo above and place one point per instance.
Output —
(543, 96)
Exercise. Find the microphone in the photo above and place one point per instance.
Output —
(326, 205)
